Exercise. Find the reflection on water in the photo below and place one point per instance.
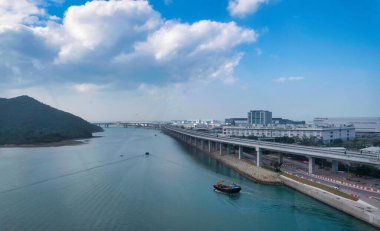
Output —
(110, 184)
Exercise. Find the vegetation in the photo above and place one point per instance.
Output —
(24, 120)
(357, 143)
(312, 141)
(362, 170)
(275, 166)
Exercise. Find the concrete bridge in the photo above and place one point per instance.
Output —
(226, 144)
(154, 125)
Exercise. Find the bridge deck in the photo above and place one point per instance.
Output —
(308, 151)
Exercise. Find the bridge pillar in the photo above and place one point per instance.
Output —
(311, 165)
(240, 152)
(220, 148)
(209, 146)
(258, 156)
(280, 157)
(228, 149)
(334, 166)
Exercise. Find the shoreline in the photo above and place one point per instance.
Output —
(357, 209)
(248, 170)
(70, 142)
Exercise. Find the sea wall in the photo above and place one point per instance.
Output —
(356, 209)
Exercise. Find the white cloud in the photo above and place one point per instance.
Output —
(200, 37)
(87, 87)
(121, 43)
(242, 8)
(288, 79)
(13, 13)
(101, 25)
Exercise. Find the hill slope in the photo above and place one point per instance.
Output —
(24, 120)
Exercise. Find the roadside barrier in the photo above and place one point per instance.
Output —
(365, 188)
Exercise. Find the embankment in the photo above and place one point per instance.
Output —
(249, 170)
(358, 209)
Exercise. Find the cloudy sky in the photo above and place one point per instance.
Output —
(180, 59)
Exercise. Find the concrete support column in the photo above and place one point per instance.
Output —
(209, 146)
(311, 165)
(240, 152)
(228, 149)
(201, 144)
(258, 156)
(220, 148)
(280, 157)
(334, 166)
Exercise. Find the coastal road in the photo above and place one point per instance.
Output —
(300, 168)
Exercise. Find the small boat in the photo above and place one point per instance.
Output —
(232, 188)
(147, 153)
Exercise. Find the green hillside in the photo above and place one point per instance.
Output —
(24, 120)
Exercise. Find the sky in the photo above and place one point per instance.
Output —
(202, 59)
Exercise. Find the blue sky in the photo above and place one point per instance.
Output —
(177, 59)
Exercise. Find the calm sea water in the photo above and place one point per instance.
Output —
(92, 187)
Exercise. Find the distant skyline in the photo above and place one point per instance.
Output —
(177, 59)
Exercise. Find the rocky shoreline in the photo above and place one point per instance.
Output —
(248, 169)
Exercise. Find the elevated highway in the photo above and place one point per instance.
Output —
(154, 125)
(259, 146)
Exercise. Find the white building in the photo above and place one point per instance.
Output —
(369, 125)
(326, 134)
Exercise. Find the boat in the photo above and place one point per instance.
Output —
(147, 153)
(231, 188)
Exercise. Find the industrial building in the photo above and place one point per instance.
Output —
(259, 117)
(236, 121)
(326, 134)
(363, 125)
